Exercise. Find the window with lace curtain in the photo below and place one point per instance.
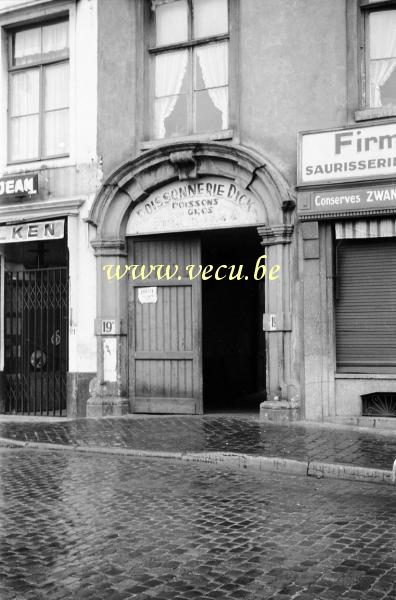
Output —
(38, 92)
(189, 54)
(380, 55)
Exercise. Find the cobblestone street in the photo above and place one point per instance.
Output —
(227, 433)
(106, 527)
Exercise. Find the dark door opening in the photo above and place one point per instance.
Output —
(232, 337)
(36, 327)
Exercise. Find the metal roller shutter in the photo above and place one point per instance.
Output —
(366, 306)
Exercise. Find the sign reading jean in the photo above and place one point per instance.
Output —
(19, 185)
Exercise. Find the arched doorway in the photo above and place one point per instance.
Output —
(184, 205)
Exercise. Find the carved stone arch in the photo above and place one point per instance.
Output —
(132, 183)
(135, 180)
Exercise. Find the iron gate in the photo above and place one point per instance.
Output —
(36, 340)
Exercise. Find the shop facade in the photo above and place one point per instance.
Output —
(198, 168)
(49, 173)
(190, 344)
(346, 210)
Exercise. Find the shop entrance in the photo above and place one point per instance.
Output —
(36, 327)
(196, 345)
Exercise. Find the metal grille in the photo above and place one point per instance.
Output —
(36, 341)
(379, 404)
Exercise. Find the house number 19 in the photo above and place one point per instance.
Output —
(108, 326)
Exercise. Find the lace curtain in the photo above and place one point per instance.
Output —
(170, 69)
(382, 52)
(213, 60)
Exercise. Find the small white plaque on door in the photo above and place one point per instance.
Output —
(147, 295)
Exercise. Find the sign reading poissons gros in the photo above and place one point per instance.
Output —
(207, 203)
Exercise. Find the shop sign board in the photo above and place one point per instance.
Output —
(347, 200)
(32, 232)
(19, 185)
(197, 204)
(354, 153)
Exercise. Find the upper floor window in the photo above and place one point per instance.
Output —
(39, 92)
(190, 60)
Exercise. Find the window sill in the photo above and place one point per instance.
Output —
(216, 136)
(365, 375)
(37, 165)
(375, 113)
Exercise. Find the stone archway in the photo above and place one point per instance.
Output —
(131, 184)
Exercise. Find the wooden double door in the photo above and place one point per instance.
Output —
(165, 328)
(195, 341)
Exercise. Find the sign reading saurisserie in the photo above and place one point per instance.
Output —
(346, 154)
(19, 185)
(347, 200)
(207, 203)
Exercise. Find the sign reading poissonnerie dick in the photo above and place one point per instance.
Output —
(20, 185)
(355, 153)
(191, 205)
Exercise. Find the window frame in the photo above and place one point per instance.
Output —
(151, 50)
(40, 65)
(365, 111)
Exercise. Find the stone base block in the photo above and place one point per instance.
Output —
(107, 406)
(280, 415)
(78, 393)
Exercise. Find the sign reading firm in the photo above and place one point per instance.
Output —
(32, 232)
(372, 198)
(346, 154)
(19, 185)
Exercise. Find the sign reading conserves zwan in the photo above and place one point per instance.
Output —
(19, 185)
(368, 199)
(355, 153)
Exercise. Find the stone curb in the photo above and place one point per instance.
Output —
(350, 472)
(232, 459)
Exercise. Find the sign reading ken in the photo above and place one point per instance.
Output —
(32, 232)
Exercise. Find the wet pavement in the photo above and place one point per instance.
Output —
(115, 528)
(239, 433)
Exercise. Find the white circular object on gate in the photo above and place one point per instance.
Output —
(38, 359)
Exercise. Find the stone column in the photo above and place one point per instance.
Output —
(283, 390)
(108, 390)
(319, 326)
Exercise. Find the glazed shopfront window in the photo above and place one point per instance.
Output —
(190, 67)
(39, 92)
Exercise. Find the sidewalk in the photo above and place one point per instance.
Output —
(300, 448)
